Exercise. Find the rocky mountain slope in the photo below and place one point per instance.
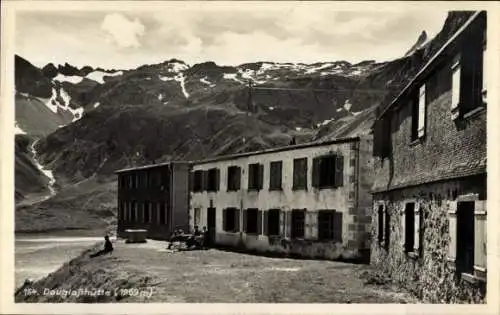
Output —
(90, 122)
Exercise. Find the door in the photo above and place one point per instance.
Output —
(211, 224)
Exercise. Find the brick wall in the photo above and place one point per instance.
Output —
(431, 276)
(449, 148)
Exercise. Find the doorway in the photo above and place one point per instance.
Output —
(211, 225)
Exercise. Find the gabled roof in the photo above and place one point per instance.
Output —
(429, 66)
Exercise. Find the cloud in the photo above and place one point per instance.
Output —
(124, 32)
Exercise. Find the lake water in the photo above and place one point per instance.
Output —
(38, 255)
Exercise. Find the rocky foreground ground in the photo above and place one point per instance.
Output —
(150, 273)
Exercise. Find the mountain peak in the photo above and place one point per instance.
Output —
(421, 41)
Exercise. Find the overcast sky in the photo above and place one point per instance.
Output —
(297, 32)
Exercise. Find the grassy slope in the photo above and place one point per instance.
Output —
(211, 276)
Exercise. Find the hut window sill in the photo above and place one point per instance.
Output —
(470, 278)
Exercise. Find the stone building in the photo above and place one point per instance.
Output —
(307, 200)
(155, 198)
(429, 192)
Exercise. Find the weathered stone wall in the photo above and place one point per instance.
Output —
(449, 148)
(430, 276)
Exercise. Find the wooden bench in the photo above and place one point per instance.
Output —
(136, 235)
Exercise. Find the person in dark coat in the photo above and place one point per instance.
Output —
(206, 238)
(108, 248)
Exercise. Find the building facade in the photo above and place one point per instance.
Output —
(429, 192)
(154, 198)
(308, 200)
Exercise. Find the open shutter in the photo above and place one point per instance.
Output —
(259, 222)
(455, 88)
(308, 226)
(485, 69)
(288, 224)
(403, 229)
(314, 224)
(237, 220)
(480, 237)
(421, 111)
(416, 244)
(339, 170)
(217, 178)
(204, 180)
(261, 176)
(266, 223)
(315, 172)
(245, 215)
(282, 223)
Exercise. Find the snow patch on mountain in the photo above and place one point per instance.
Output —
(160, 97)
(205, 81)
(177, 67)
(182, 80)
(98, 76)
(51, 103)
(356, 113)
(75, 79)
(347, 105)
(232, 76)
(324, 122)
(97, 104)
(44, 171)
(18, 130)
(77, 113)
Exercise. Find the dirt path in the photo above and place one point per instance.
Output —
(150, 273)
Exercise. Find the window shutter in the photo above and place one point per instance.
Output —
(251, 179)
(238, 178)
(282, 223)
(315, 172)
(314, 224)
(237, 220)
(217, 178)
(480, 236)
(416, 240)
(456, 77)
(259, 222)
(337, 226)
(204, 177)
(261, 176)
(245, 214)
(421, 111)
(288, 224)
(308, 225)
(403, 229)
(191, 181)
(266, 223)
(339, 170)
(485, 68)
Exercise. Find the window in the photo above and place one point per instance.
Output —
(272, 222)
(465, 237)
(197, 216)
(146, 212)
(419, 114)
(300, 174)
(380, 224)
(298, 223)
(275, 175)
(251, 221)
(387, 227)
(330, 225)
(233, 178)
(197, 181)
(255, 176)
(468, 77)
(328, 171)
(163, 220)
(213, 176)
(231, 220)
(133, 212)
(409, 227)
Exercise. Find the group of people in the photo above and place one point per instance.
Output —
(197, 240)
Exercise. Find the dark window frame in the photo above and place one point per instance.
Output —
(250, 225)
(198, 181)
(255, 176)
(273, 216)
(229, 220)
(233, 178)
(329, 229)
(276, 175)
(300, 176)
(213, 179)
(465, 243)
(298, 220)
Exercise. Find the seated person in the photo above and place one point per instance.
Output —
(108, 248)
